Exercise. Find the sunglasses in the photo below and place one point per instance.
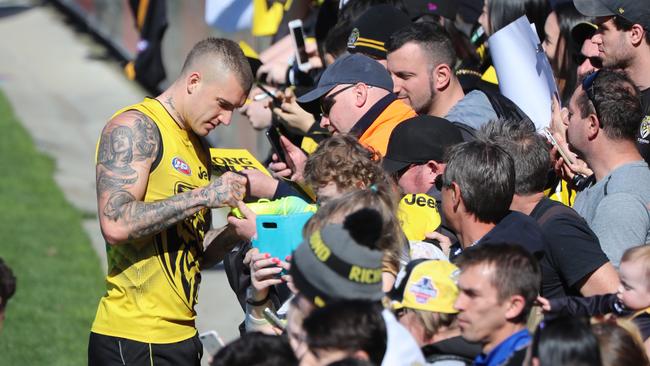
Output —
(588, 87)
(327, 102)
(579, 59)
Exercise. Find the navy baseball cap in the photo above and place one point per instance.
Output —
(350, 69)
(635, 11)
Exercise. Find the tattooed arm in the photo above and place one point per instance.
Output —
(127, 149)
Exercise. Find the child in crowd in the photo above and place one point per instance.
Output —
(631, 301)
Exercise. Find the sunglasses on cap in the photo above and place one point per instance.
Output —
(588, 87)
(327, 102)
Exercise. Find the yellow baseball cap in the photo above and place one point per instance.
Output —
(428, 285)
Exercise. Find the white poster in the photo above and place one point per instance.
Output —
(525, 75)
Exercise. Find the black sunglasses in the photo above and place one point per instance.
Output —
(579, 59)
(588, 87)
(328, 101)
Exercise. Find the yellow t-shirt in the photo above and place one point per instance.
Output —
(153, 282)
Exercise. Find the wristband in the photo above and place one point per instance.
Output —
(252, 302)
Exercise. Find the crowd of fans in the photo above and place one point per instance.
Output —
(531, 251)
(528, 242)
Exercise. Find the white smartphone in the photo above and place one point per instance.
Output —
(211, 342)
(565, 154)
(298, 38)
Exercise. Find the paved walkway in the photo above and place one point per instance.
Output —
(64, 91)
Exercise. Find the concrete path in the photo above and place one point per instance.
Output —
(64, 91)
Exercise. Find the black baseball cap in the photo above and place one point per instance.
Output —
(373, 29)
(350, 69)
(635, 11)
(444, 8)
(418, 140)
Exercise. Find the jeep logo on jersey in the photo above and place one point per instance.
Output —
(181, 166)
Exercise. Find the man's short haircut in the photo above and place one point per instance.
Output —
(641, 254)
(343, 160)
(225, 54)
(432, 38)
(514, 271)
(256, 349)
(485, 174)
(528, 149)
(350, 325)
(616, 104)
(625, 25)
(7, 284)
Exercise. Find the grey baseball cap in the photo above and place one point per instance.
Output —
(350, 69)
(636, 11)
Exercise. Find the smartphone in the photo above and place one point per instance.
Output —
(211, 341)
(272, 318)
(279, 235)
(298, 37)
(273, 135)
(565, 154)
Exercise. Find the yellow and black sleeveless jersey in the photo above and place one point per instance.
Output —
(153, 282)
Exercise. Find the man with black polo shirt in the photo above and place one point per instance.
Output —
(623, 40)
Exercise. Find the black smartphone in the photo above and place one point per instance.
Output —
(273, 135)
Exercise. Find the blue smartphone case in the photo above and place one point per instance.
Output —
(279, 235)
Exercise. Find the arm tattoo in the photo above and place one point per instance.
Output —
(146, 218)
(120, 151)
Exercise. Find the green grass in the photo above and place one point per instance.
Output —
(59, 279)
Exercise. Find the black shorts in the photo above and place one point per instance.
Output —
(108, 351)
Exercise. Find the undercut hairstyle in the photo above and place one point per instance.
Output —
(623, 24)
(225, 55)
(640, 254)
(618, 346)
(485, 174)
(527, 148)
(513, 271)
(566, 341)
(503, 12)
(349, 326)
(615, 102)
(343, 160)
(256, 349)
(432, 38)
(7, 284)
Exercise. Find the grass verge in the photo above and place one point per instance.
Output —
(59, 279)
